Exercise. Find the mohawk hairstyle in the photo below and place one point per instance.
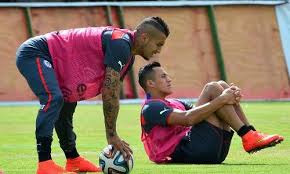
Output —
(145, 73)
(156, 22)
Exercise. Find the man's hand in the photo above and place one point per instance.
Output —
(231, 95)
(238, 92)
(122, 146)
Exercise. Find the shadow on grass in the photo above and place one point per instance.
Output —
(228, 164)
(251, 164)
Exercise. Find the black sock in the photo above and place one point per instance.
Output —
(44, 148)
(243, 130)
(71, 154)
(44, 156)
(252, 127)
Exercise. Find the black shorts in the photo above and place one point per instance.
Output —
(204, 144)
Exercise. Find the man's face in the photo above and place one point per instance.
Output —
(161, 82)
(152, 45)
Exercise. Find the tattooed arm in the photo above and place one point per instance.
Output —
(110, 96)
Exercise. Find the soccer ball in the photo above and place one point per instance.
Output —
(114, 164)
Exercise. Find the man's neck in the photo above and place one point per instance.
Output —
(157, 96)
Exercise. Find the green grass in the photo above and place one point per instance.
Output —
(18, 154)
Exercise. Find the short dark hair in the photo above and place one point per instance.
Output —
(145, 73)
(156, 22)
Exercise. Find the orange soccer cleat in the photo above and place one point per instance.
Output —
(49, 167)
(81, 164)
(279, 140)
(254, 141)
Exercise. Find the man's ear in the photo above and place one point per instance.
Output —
(150, 83)
(145, 38)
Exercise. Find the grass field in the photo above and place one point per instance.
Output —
(18, 154)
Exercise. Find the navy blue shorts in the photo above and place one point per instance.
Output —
(204, 144)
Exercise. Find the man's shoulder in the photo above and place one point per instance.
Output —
(118, 34)
(114, 34)
(155, 105)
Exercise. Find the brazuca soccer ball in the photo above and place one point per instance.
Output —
(114, 164)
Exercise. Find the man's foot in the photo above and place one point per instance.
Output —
(81, 164)
(279, 140)
(254, 141)
(49, 167)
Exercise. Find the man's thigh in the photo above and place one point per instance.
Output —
(40, 76)
(209, 91)
(203, 145)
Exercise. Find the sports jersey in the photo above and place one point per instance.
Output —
(80, 57)
(159, 138)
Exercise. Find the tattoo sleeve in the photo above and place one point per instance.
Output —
(110, 97)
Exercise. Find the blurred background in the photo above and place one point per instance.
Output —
(241, 42)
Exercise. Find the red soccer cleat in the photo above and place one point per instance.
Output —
(81, 164)
(49, 167)
(279, 140)
(254, 141)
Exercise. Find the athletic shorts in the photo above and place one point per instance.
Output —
(204, 144)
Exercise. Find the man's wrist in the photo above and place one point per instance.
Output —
(222, 99)
(111, 133)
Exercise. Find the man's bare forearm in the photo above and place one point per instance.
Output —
(196, 114)
(200, 113)
(110, 96)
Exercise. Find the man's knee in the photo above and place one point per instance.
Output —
(214, 88)
(223, 84)
(58, 99)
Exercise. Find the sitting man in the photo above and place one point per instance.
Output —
(174, 131)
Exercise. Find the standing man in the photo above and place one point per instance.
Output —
(67, 66)
(175, 131)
